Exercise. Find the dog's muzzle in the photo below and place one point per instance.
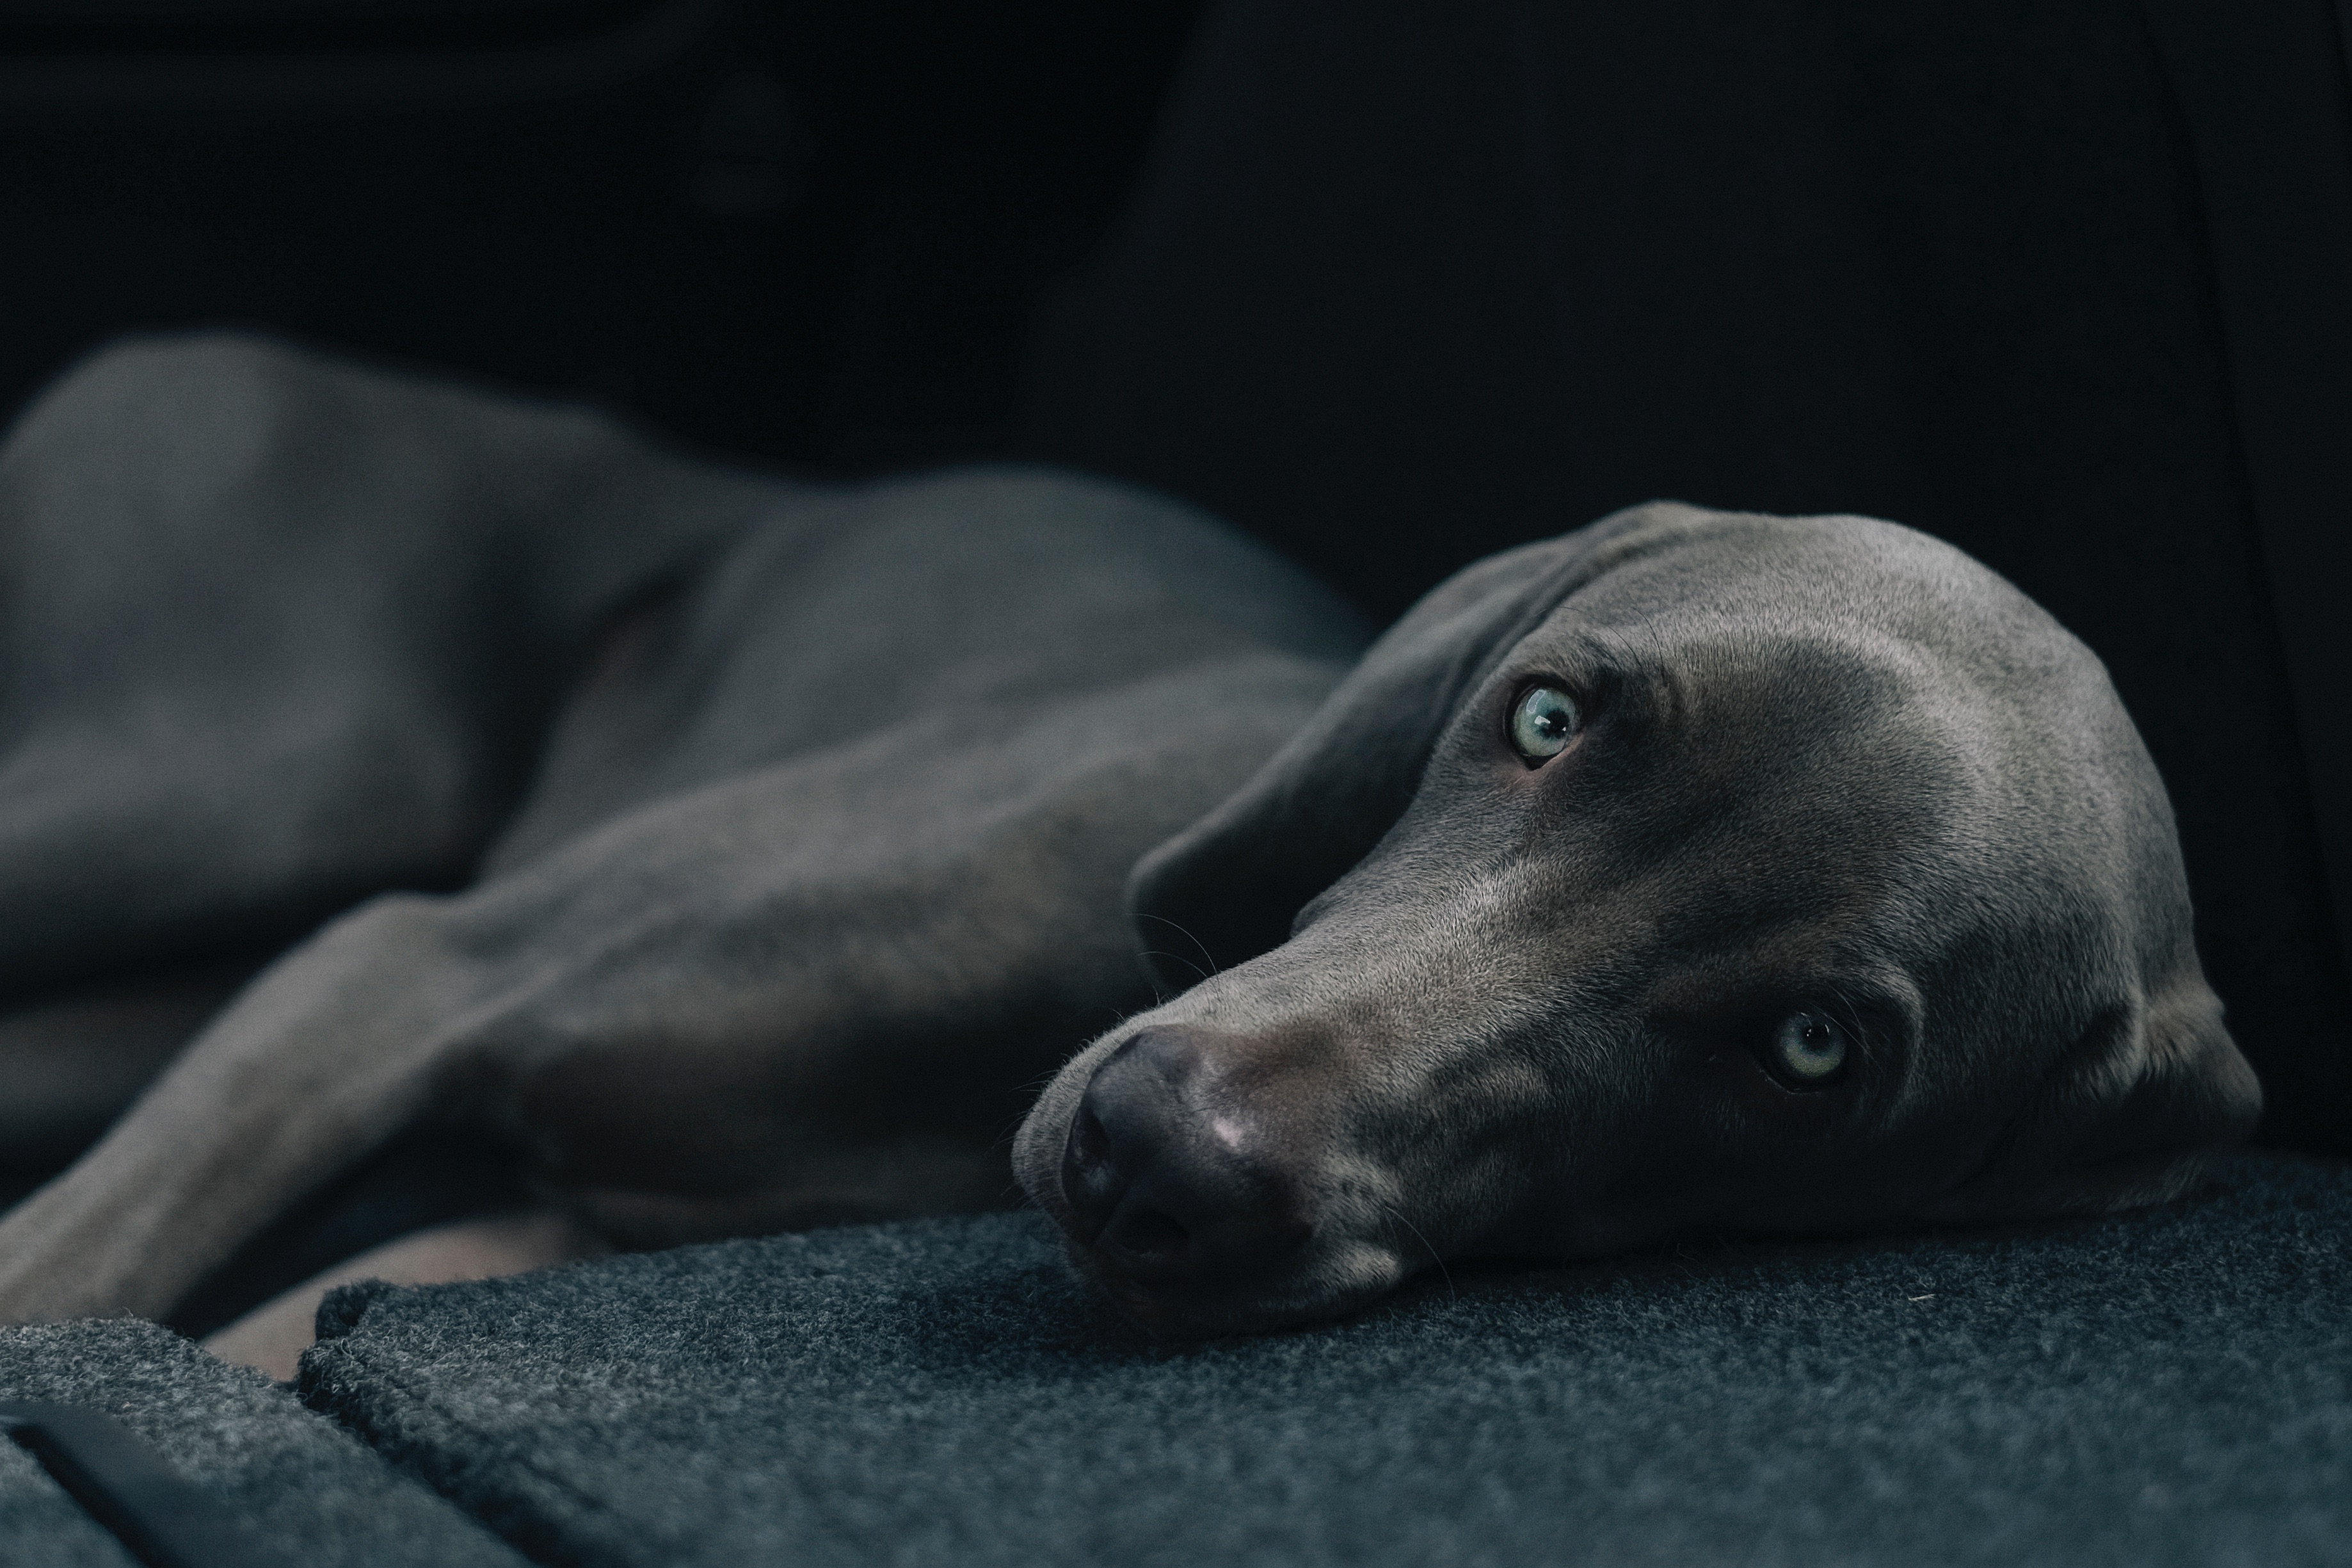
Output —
(1176, 1193)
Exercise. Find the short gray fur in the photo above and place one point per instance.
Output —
(839, 800)
(797, 817)
(292, 1478)
(2173, 1387)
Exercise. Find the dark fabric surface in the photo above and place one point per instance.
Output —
(41, 1527)
(2173, 1386)
(1407, 283)
(276, 1467)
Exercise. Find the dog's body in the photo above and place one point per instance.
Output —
(825, 857)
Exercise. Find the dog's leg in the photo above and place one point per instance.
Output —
(737, 993)
(315, 1066)
(813, 882)
(73, 1060)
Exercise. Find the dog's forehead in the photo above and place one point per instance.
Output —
(1760, 574)
(1855, 685)
(1758, 606)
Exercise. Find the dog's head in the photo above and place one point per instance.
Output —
(1692, 871)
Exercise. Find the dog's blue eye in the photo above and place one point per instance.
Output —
(1543, 723)
(1809, 1047)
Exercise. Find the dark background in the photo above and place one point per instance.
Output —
(1394, 285)
(811, 232)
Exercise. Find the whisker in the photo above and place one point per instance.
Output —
(1451, 1296)
(1178, 957)
(1188, 936)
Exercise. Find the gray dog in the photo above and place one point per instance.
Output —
(1693, 870)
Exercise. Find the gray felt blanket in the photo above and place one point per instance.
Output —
(2168, 1387)
(285, 1474)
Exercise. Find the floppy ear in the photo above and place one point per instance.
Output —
(2146, 1098)
(1226, 888)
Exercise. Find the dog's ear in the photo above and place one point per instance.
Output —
(2133, 1115)
(1227, 887)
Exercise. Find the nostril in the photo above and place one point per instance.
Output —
(1132, 1109)
(1091, 1181)
(1089, 1143)
(1147, 1241)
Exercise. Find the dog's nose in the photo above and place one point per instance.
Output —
(1172, 1187)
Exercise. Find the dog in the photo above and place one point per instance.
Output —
(1692, 872)
(740, 850)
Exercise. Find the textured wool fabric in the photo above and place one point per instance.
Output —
(282, 1471)
(2173, 1386)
